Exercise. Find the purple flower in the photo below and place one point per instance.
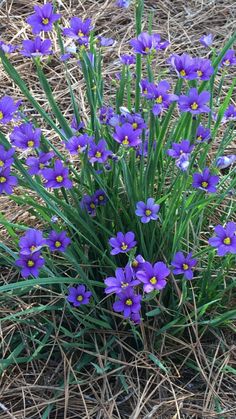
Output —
(58, 241)
(206, 40)
(205, 181)
(123, 280)
(7, 48)
(79, 30)
(158, 43)
(135, 120)
(26, 136)
(144, 44)
(105, 114)
(43, 18)
(135, 318)
(147, 88)
(184, 66)
(77, 145)
(183, 162)
(36, 48)
(7, 181)
(122, 243)
(105, 42)
(57, 177)
(6, 158)
(194, 102)
(128, 303)
(225, 161)
(76, 126)
(128, 59)
(123, 3)
(180, 148)
(147, 211)
(65, 57)
(183, 264)
(31, 242)
(89, 203)
(159, 94)
(37, 164)
(78, 295)
(225, 239)
(230, 113)
(30, 264)
(98, 152)
(100, 197)
(229, 58)
(137, 263)
(203, 68)
(7, 109)
(153, 276)
(127, 135)
(203, 134)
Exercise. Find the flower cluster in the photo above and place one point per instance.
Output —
(140, 164)
(90, 203)
(31, 244)
(7, 181)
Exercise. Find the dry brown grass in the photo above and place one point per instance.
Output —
(198, 381)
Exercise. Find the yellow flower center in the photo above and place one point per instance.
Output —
(80, 33)
(135, 263)
(124, 246)
(145, 91)
(153, 280)
(30, 263)
(182, 73)
(92, 205)
(227, 240)
(227, 62)
(199, 138)
(78, 148)
(1, 163)
(148, 212)
(147, 49)
(41, 165)
(79, 298)
(30, 143)
(126, 140)
(159, 99)
(185, 266)
(59, 179)
(2, 179)
(194, 106)
(129, 302)
(1, 115)
(57, 244)
(199, 73)
(204, 184)
(45, 21)
(101, 198)
(124, 284)
(32, 248)
(98, 154)
(135, 125)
